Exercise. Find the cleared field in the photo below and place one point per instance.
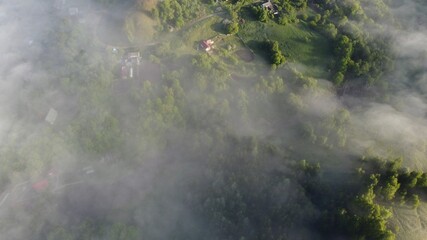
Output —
(245, 55)
(411, 222)
(422, 212)
(299, 44)
(123, 30)
(110, 30)
(140, 28)
(202, 30)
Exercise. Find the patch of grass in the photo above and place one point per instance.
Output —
(411, 222)
(298, 43)
(111, 30)
(147, 5)
(140, 27)
(203, 30)
(247, 13)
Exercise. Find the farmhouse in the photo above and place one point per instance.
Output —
(272, 8)
(41, 185)
(134, 57)
(207, 45)
(130, 62)
(124, 72)
(51, 116)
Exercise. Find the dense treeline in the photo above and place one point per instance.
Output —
(176, 13)
(359, 53)
(362, 48)
(366, 208)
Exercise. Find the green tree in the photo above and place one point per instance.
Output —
(277, 57)
(261, 13)
(391, 186)
(232, 28)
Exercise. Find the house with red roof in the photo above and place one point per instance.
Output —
(41, 185)
(207, 45)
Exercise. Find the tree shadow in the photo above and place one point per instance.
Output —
(219, 27)
(260, 48)
(247, 13)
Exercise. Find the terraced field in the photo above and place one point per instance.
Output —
(411, 223)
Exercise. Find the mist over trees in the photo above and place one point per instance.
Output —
(230, 120)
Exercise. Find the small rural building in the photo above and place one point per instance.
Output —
(41, 185)
(134, 57)
(270, 7)
(127, 71)
(51, 116)
(124, 72)
(227, 21)
(131, 72)
(130, 62)
(207, 45)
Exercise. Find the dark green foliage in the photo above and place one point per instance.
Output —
(176, 12)
(344, 50)
(261, 13)
(277, 57)
(414, 200)
(422, 180)
(369, 56)
(100, 133)
(366, 210)
(310, 169)
(395, 182)
(232, 28)
(359, 54)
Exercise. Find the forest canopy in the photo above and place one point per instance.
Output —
(179, 119)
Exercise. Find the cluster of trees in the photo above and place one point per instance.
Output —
(365, 210)
(261, 13)
(284, 11)
(232, 25)
(365, 219)
(359, 54)
(277, 57)
(343, 51)
(288, 10)
(176, 13)
(248, 199)
(238, 204)
(393, 183)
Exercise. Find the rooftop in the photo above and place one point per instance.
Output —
(51, 116)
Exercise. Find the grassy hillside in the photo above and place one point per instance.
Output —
(140, 27)
(232, 139)
(298, 43)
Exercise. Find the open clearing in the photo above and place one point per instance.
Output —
(245, 55)
(140, 27)
(411, 222)
(200, 31)
(298, 43)
(111, 31)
